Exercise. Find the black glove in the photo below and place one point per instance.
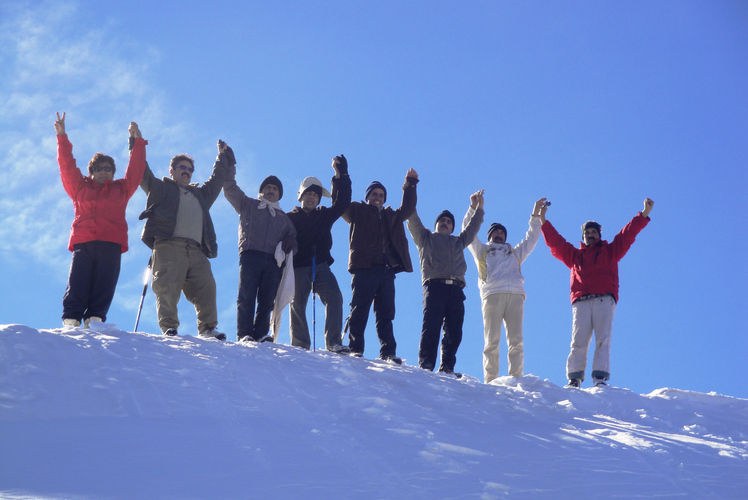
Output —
(342, 165)
(289, 244)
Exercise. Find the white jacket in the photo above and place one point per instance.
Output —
(500, 265)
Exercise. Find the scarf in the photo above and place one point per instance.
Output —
(272, 206)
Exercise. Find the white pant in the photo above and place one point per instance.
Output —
(509, 309)
(591, 314)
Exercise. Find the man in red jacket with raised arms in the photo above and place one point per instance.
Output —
(594, 290)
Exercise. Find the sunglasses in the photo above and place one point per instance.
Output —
(185, 167)
(105, 168)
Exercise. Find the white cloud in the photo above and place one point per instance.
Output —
(52, 63)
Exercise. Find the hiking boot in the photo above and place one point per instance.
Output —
(392, 359)
(339, 349)
(599, 381)
(171, 332)
(575, 382)
(357, 354)
(266, 338)
(212, 333)
(70, 323)
(246, 339)
(93, 319)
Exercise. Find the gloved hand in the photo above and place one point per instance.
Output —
(289, 244)
(340, 164)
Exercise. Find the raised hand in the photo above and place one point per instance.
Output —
(648, 204)
(411, 173)
(340, 165)
(60, 124)
(134, 130)
(476, 199)
(540, 207)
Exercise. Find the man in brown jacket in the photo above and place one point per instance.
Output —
(378, 251)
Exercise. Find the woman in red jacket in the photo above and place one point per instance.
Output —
(98, 237)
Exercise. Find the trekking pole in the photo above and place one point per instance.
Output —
(314, 298)
(146, 279)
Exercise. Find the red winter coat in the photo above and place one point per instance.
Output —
(594, 269)
(99, 208)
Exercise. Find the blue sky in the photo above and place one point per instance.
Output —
(595, 105)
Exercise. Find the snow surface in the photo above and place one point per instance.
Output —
(102, 413)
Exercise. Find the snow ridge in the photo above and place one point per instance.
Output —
(104, 413)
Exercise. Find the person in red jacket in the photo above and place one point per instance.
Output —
(98, 237)
(594, 290)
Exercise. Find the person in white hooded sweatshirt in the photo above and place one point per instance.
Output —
(502, 293)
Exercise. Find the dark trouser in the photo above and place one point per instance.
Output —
(259, 277)
(443, 304)
(327, 289)
(376, 284)
(94, 272)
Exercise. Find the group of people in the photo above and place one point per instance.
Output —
(285, 257)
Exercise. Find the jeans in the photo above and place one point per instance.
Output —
(375, 284)
(259, 277)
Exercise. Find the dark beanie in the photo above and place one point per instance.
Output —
(592, 223)
(271, 179)
(448, 214)
(494, 227)
(372, 187)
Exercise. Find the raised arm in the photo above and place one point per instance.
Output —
(231, 190)
(417, 229)
(224, 162)
(136, 166)
(69, 172)
(341, 187)
(473, 220)
(475, 246)
(410, 198)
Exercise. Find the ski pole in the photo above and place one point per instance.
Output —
(314, 297)
(146, 279)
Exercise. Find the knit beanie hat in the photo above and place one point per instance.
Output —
(494, 227)
(448, 214)
(271, 179)
(374, 185)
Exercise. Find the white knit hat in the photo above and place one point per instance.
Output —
(312, 181)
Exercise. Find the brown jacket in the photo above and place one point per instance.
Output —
(367, 232)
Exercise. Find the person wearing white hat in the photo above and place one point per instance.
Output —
(313, 223)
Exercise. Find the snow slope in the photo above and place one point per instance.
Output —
(98, 414)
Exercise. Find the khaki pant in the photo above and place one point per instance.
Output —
(179, 265)
(591, 315)
(509, 309)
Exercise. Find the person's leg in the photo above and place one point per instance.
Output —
(603, 311)
(435, 297)
(108, 257)
(581, 334)
(169, 272)
(363, 291)
(200, 288)
(266, 291)
(384, 313)
(515, 312)
(329, 294)
(454, 317)
(492, 307)
(249, 280)
(78, 290)
(299, 327)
